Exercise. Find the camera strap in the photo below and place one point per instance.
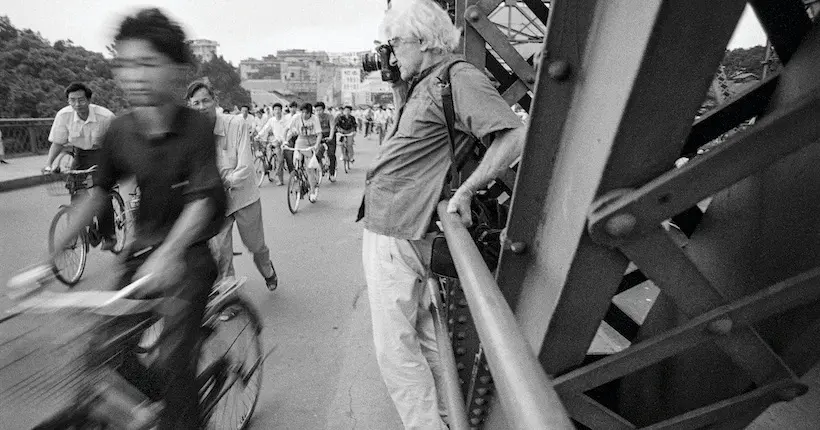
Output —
(450, 119)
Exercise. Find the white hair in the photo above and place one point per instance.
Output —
(422, 19)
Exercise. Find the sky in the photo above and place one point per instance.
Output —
(244, 28)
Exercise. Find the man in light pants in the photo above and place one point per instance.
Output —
(402, 190)
(235, 162)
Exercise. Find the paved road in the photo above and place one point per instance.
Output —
(323, 373)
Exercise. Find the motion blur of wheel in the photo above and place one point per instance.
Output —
(120, 222)
(259, 168)
(230, 366)
(64, 161)
(294, 192)
(69, 263)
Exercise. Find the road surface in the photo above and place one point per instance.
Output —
(323, 372)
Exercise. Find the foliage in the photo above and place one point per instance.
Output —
(742, 60)
(225, 80)
(34, 73)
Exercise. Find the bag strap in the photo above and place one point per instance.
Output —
(449, 115)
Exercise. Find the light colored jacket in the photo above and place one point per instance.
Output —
(234, 159)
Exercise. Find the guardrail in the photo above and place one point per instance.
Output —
(524, 389)
(25, 136)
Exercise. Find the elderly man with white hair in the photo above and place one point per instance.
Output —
(405, 184)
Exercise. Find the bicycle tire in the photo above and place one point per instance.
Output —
(294, 192)
(70, 277)
(271, 163)
(247, 376)
(260, 169)
(65, 161)
(120, 222)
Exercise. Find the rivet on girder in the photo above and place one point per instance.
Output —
(722, 326)
(518, 247)
(480, 401)
(461, 351)
(475, 421)
(474, 15)
(460, 366)
(477, 411)
(462, 302)
(462, 319)
(461, 335)
(531, 79)
(558, 70)
(621, 224)
(482, 391)
(485, 379)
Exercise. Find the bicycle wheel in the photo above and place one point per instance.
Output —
(271, 163)
(230, 377)
(294, 192)
(259, 168)
(120, 222)
(69, 264)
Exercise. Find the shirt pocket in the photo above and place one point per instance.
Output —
(412, 115)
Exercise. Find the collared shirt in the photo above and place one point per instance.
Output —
(69, 129)
(381, 116)
(275, 129)
(235, 161)
(171, 170)
(345, 124)
(403, 185)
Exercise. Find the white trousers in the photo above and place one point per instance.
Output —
(403, 331)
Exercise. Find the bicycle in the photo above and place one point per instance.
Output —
(70, 262)
(299, 183)
(346, 143)
(265, 159)
(78, 377)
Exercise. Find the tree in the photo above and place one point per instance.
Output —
(225, 80)
(33, 74)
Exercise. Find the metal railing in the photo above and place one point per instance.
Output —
(524, 389)
(25, 136)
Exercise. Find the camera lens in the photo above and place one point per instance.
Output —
(371, 62)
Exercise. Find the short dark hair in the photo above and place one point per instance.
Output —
(196, 86)
(154, 27)
(347, 107)
(245, 106)
(307, 107)
(77, 86)
(319, 105)
(275, 105)
(293, 103)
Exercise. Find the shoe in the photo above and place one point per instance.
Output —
(272, 281)
(279, 182)
(314, 196)
(108, 244)
(333, 178)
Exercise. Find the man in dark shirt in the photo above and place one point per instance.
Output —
(171, 152)
(345, 124)
(326, 120)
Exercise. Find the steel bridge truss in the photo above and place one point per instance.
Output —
(733, 313)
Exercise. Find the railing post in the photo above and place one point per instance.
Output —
(32, 139)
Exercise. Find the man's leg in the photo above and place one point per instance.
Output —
(331, 154)
(280, 161)
(252, 231)
(222, 247)
(179, 345)
(350, 154)
(396, 280)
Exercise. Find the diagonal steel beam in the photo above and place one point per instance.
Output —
(477, 19)
(785, 22)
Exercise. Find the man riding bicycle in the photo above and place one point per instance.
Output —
(308, 132)
(274, 133)
(81, 125)
(171, 151)
(326, 120)
(346, 124)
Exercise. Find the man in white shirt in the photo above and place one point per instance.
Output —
(274, 133)
(82, 125)
(235, 162)
(380, 117)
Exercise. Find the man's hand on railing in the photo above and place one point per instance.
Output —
(461, 204)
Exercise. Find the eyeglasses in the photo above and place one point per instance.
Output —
(120, 63)
(396, 41)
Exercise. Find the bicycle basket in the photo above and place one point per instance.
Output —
(46, 365)
(69, 184)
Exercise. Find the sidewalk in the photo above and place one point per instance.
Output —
(22, 172)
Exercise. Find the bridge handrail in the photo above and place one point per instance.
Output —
(524, 389)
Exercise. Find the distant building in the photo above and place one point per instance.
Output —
(204, 49)
(351, 59)
(373, 90)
